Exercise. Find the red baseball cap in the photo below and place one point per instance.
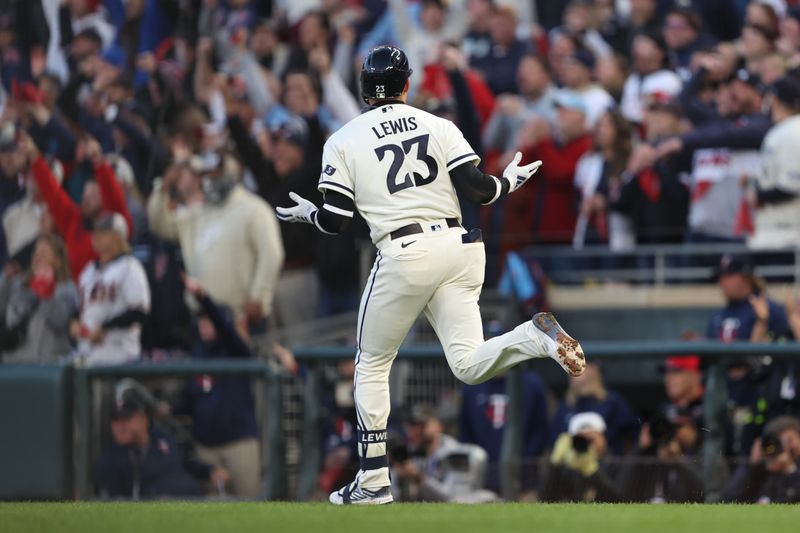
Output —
(682, 363)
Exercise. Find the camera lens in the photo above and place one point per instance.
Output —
(580, 443)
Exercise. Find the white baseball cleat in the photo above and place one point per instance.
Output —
(566, 351)
(352, 494)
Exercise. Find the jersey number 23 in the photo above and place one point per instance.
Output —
(398, 158)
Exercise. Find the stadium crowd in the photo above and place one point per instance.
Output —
(144, 145)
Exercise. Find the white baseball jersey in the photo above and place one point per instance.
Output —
(394, 162)
(106, 293)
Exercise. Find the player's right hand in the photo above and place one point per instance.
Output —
(517, 175)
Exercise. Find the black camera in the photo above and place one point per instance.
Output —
(580, 444)
(662, 430)
(772, 446)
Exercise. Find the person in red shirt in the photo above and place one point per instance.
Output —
(546, 212)
(73, 222)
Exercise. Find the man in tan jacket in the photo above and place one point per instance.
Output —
(229, 237)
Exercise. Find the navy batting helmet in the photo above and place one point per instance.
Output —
(384, 73)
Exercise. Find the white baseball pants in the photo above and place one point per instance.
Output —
(435, 272)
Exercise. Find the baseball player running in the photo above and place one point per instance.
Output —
(401, 168)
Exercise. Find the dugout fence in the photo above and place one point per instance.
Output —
(291, 415)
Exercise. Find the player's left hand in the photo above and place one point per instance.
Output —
(517, 174)
(302, 212)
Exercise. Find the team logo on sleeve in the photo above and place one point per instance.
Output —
(329, 170)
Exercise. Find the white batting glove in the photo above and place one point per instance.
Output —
(302, 212)
(517, 175)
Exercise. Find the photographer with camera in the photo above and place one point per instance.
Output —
(433, 466)
(771, 475)
(660, 471)
(578, 470)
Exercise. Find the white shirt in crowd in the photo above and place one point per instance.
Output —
(778, 225)
(638, 88)
(106, 293)
(716, 195)
(588, 173)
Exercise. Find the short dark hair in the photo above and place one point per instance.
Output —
(90, 34)
(313, 77)
(324, 19)
(782, 423)
(543, 62)
(433, 3)
(692, 17)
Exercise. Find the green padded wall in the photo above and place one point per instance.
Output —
(35, 432)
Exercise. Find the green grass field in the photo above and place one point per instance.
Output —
(401, 518)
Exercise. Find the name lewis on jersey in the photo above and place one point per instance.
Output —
(391, 127)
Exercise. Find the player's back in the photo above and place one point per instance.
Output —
(394, 160)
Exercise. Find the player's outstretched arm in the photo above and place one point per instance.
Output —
(332, 218)
(485, 188)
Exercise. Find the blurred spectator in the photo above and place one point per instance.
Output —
(23, 220)
(439, 22)
(78, 16)
(483, 421)
(499, 66)
(611, 73)
(598, 177)
(230, 238)
(577, 76)
(12, 166)
(756, 393)
(562, 46)
(704, 97)
(293, 167)
(618, 30)
(719, 17)
(577, 470)
(771, 474)
(39, 305)
(553, 195)
(748, 314)
(143, 462)
(659, 472)
(477, 43)
(722, 152)
(100, 193)
(436, 467)
(588, 393)
(273, 54)
(133, 198)
(683, 35)
(777, 187)
(115, 297)
(536, 98)
(764, 12)
(223, 413)
(650, 76)
(653, 194)
(788, 44)
(683, 384)
(38, 113)
(579, 20)
(758, 45)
